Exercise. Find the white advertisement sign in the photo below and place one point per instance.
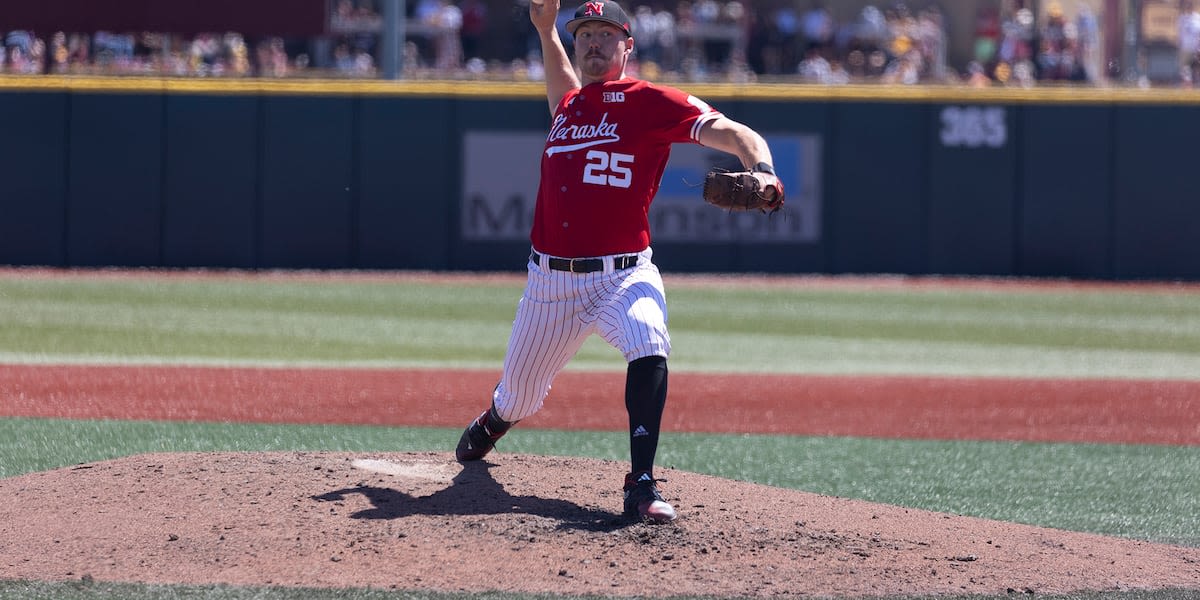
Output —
(500, 172)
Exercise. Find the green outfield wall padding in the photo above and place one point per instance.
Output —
(114, 180)
(1157, 205)
(972, 189)
(308, 195)
(33, 150)
(407, 170)
(299, 174)
(211, 182)
(879, 203)
(1065, 216)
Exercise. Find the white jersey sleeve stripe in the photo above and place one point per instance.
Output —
(701, 120)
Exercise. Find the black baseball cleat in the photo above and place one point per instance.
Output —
(481, 435)
(643, 501)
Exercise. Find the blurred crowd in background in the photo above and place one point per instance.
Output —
(699, 40)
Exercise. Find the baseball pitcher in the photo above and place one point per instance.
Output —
(590, 268)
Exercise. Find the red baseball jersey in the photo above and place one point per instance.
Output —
(608, 146)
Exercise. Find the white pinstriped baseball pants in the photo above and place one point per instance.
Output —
(559, 310)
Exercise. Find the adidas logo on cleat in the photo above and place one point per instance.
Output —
(643, 500)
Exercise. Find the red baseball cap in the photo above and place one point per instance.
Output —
(600, 10)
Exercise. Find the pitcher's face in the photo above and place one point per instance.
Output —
(601, 50)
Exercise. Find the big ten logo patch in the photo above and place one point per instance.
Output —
(614, 97)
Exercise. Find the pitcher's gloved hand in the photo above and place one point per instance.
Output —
(758, 189)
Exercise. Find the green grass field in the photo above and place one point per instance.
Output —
(1142, 492)
(745, 328)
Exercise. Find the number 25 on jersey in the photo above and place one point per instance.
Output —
(604, 168)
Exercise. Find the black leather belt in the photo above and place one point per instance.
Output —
(584, 265)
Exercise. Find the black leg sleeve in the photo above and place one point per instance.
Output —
(645, 398)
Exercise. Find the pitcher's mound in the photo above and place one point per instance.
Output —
(523, 523)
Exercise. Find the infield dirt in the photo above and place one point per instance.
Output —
(552, 525)
(523, 524)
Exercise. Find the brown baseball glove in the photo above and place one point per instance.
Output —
(744, 190)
